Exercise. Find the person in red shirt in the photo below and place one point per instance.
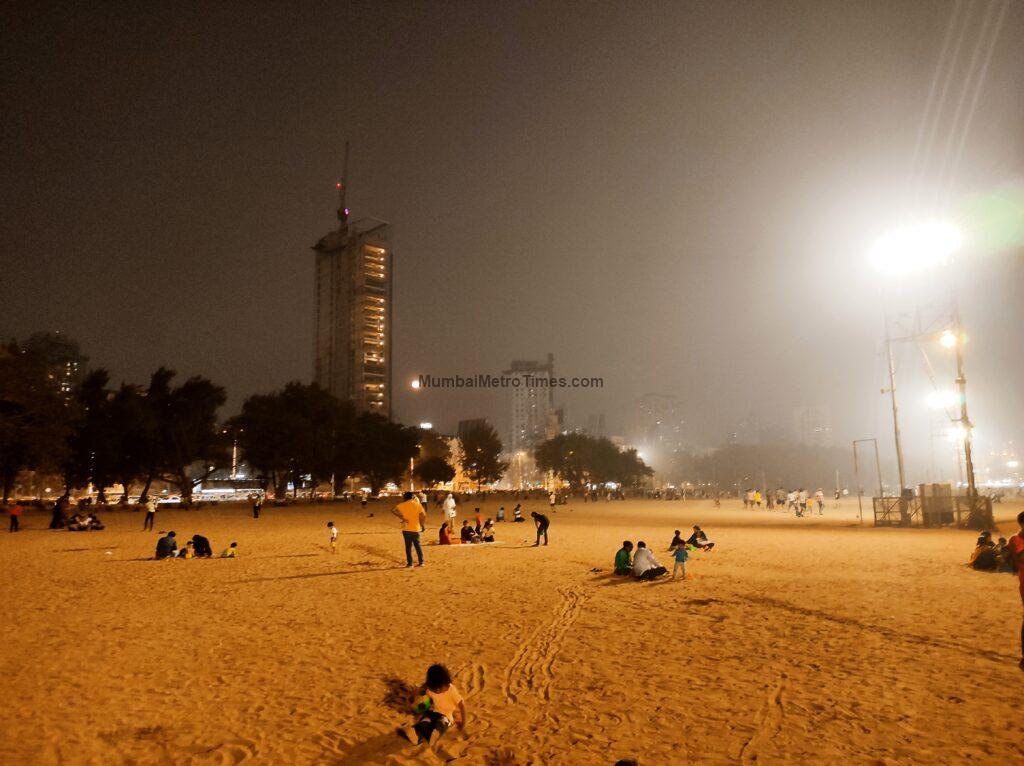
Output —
(15, 512)
(1015, 548)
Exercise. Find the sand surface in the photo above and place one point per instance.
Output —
(803, 641)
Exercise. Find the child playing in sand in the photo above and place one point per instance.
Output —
(229, 552)
(333, 530)
(446, 707)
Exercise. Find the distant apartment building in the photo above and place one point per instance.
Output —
(353, 328)
(812, 426)
(533, 403)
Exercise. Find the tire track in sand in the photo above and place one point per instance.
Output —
(767, 722)
(530, 669)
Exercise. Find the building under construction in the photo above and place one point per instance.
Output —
(353, 311)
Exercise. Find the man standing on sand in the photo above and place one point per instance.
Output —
(413, 518)
(151, 506)
(1015, 550)
(15, 512)
(257, 504)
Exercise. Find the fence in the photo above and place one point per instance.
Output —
(928, 512)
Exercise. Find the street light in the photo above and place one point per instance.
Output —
(916, 247)
(948, 339)
(908, 249)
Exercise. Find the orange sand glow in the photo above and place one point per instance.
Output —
(805, 640)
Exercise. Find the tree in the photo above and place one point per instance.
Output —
(579, 460)
(298, 431)
(134, 437)
(34, 421)
(187, 423)
(91, 447)
(566, 456)
(433, 471)
(481, 453)
(384, 449)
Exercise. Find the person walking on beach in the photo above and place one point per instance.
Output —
(413, 518)
(449, 510)
(257, 504)
(151, 506)
(1015, 551)
(333, 531)
(542, 523)
(552, 498)
(15, 513)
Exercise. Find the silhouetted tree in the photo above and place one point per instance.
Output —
(481, 453)
(384, 449)
(434, 470)
(186, 419)
(34, 420)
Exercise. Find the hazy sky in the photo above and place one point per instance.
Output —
(675, 196)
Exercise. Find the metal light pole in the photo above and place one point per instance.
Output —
(895, 411)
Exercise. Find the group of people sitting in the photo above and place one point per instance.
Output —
(991, 556)
(643, 566)
(84, 523)
(196, 548)
(483, 532)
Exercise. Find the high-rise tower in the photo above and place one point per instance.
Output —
(353, 310)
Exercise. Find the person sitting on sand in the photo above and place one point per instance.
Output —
(468, 534)
(1003, 556)
(677, 540)
(188, 552)
(443, 707)
(92, 522)
(487, 532)
(229, 552)
(166, 546)
(699, 540)
(443, 535)
(201, 546)
(623, 559)
(645, 566)
(517, 514)
(77, 523)
(984, 556)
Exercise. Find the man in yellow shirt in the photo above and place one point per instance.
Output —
(413, 518)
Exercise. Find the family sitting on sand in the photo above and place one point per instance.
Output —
(991, 557)
(643, 565)
(468, 534)
(196, 548)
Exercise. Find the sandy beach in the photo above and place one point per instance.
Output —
(795, 640)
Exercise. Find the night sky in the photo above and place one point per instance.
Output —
(678, 197)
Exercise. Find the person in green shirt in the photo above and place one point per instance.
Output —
(623, 564)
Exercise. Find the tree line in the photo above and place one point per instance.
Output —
(59, 417)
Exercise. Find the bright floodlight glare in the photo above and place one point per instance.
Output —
(415, 383)
(943, 399)
(916, 247)
(947, 339)
(426, 426)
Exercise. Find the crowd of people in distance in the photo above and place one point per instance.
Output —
(198, 547)
(799, 501)
(643, 566)
(989, 556)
